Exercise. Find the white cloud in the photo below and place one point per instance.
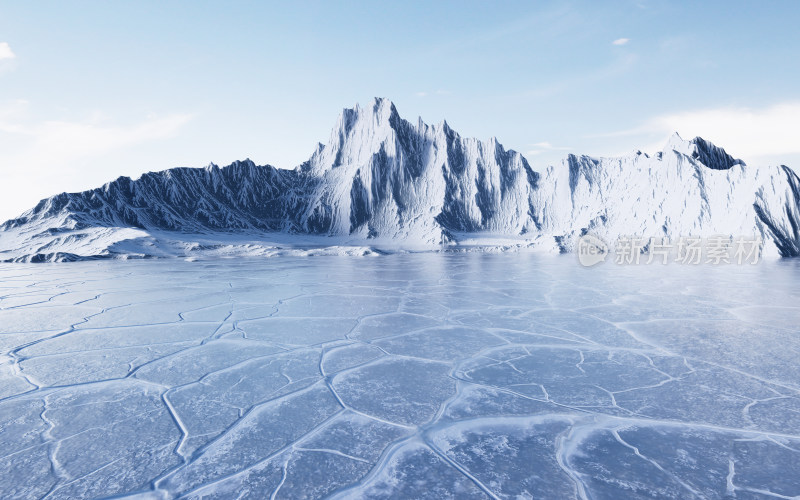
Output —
(55, 142)
(744, 132)
(426, 94)
(621, 41)
(544, 147)
(66, 140)
(765, 135)
(6, 52)
(41, 158)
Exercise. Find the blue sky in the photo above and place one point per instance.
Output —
(92, 90)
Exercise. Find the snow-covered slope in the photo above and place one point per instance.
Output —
(691, 188)
(384, 182)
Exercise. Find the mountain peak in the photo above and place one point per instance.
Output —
(713, 157)
(383, 106)
(359, 133)
(380, 178)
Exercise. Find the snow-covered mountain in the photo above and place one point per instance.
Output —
(383, 182)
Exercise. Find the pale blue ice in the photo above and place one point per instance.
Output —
(399, 376)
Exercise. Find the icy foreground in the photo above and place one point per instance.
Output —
(400, 376)
(384, 184)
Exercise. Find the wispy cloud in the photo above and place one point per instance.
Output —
(57, 142)
(544, 147)
(6, 52)
(426, 94)
(620, 66)
(39, 158)
(621, 41)
(748, 133)
(77, 139)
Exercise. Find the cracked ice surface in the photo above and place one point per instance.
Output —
(439, 376)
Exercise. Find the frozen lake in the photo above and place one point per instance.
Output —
(462, 376)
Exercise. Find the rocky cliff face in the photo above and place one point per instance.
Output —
(383, 180)
(380, 176)
(240, 196)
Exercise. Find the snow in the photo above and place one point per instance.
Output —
(406, 359)
(428, 375)
(382, 184)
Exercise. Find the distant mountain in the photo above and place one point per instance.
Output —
(384, 183)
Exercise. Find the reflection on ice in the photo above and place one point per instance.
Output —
(439, 376)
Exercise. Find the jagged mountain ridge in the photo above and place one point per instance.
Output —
(381, 179)
(378, 176)
(240, 196)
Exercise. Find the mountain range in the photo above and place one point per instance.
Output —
(382, 183)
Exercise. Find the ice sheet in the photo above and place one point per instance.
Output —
(407, 375)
